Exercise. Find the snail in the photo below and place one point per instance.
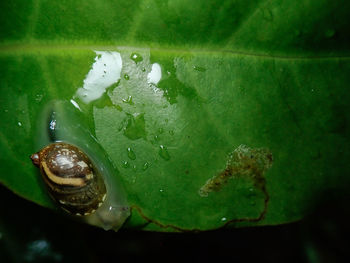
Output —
(77, 171)
(70, 177)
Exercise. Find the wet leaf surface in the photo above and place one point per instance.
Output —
(171, 90)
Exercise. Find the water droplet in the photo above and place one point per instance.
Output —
(163, 152)
(126, 77)
(223, 219)
(136, 57)
(19, 124)
(329, 33)
(122, 125)
(126, 164)
(161, 190)
(38, 97)
(145, 166)
(251, 195)
(134, 126)
(143, 69)
(128, 100)
(156, 137)
(200, 69)
(131, 154)
(267, 14)
(118, 108)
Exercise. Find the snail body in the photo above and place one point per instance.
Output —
(71, 178)
(77, 172)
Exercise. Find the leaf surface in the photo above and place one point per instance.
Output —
(221, 113)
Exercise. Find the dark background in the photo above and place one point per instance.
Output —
(30, 233)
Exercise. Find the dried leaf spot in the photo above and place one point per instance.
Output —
(242, 162)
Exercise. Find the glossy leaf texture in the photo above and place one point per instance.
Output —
(213, 113)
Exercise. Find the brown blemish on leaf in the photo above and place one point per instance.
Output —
(159, 224)
(243, 162)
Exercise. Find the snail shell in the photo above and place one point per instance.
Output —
(71, 178)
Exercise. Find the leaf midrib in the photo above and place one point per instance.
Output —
(17, 48)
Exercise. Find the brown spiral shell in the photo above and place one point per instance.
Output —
(71, 178)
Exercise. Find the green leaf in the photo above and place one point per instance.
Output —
(224, 113)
